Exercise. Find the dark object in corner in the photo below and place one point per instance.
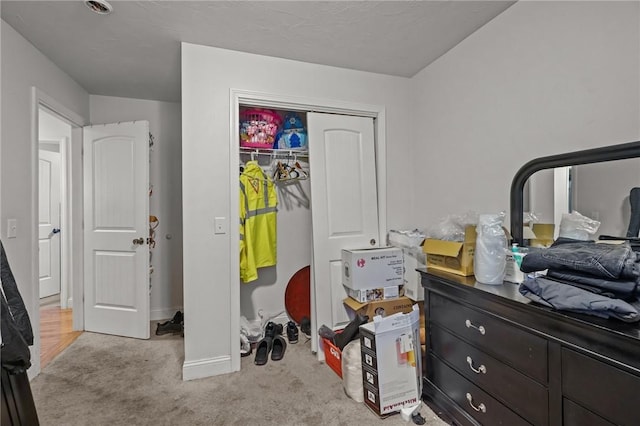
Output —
(305, 327)
(634, 221)
(17, 406)
(175, 326)
(418, 419)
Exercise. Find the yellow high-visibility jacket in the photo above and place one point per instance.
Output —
(258, 222)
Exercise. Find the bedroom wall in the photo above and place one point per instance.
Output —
(165, 174)
(23, 66)
(541, 78)
(208, 74)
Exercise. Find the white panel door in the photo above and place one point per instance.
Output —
(344, 200)
(116, 227)
(49, 222)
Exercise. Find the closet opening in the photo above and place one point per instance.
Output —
(275, 263)
(304, 179)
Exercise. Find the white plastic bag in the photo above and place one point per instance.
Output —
(576, 226)
(352, 371)
(490, 258)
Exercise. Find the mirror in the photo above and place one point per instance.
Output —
(594, 182)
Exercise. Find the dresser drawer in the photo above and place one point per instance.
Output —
(520, 393)
(482, 407)
(523, 351)
(575, 415)
(608, 391)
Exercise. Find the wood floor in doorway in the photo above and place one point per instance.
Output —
(56, 332)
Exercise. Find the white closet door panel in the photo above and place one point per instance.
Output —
(339, 315)
(115, 280)
(114, 195)
(345, 206)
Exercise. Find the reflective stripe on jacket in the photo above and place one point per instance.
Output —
(258, 222)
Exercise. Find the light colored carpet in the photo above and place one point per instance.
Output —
(108, 380)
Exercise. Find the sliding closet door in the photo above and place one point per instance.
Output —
(344, 204)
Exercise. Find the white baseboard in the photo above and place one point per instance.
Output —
(206, 367)
(163, 313)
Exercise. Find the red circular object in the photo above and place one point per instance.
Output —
(297, 296)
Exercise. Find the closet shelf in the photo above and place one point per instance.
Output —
(275, 153)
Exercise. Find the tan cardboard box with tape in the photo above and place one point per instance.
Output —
(452, 256)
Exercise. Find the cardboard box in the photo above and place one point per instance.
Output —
(380, 307)
(452, 256)
(412, 278)
(372, 294)
(544, 233)
(391, 362)
(372, 268)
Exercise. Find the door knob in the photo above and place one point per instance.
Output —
(138, 241)
(55, 230)
(372, 242)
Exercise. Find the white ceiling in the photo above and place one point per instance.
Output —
(135, 51)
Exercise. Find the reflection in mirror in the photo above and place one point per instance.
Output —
(612, 173)
(599, 191)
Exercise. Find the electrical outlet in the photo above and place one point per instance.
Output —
(220, 225)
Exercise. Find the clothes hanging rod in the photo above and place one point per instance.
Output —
(274, 152)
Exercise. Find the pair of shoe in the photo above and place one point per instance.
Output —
(272, 342)
(292, 332)
(174, 326)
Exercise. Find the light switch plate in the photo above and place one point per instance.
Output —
(12, 228)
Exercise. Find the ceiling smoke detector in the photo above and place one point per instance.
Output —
(100, 7)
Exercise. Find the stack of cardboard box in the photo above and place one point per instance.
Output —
(373, 279)
(391, 342)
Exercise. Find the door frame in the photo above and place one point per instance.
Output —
(240, 97)
(71, 242)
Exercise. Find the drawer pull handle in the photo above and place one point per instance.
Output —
(480, 328)
(480, 407)
(482, 369)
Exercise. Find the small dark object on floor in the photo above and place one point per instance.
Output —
(292, 332)
(418, 419)
(272, 329)
(262, 352)
(174, 326)
(278, 346)
(305, 327)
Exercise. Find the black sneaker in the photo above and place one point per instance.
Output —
(169, 327)
(292, 332)
(305, 327)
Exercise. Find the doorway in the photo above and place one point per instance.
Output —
(55, 307)
(60, 131)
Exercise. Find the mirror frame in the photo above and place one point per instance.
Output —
(588, 156)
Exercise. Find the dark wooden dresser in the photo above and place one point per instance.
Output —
(493, 358)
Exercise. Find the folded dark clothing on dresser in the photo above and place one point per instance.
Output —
(566, 297)
(609, 261)
(619, 289)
